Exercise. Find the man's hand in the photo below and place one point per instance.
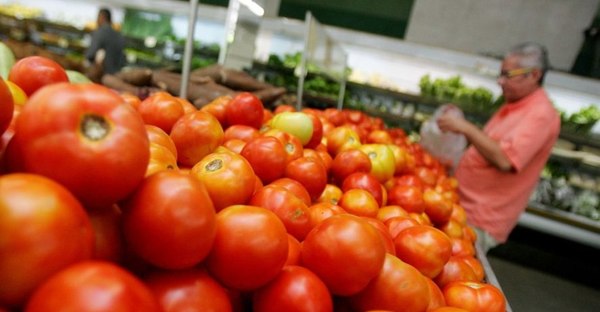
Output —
(449, 122)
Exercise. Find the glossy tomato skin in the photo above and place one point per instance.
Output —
(345, 251)
(359, 203)
(241, 132)
(295, 187)
(34, 72)
(383, 292)
(110, 243)
(348, 162)
(410, 198)
(473, 296)
(161, 137)
(267, 156)
(424, 247)
(228, 177)
(250, 248)
(245, 109)
(217, 108)
(43, 229)
(6, 106)
(455, 270)
(364, 181)
(196, 135)
(288, 207)
(90, 141)
(186, 290)
(169, 221)
(161, 109)
(310, 172)
(294, 289)
(93, 286)
(340, 139)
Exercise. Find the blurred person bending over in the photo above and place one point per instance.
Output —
(501, 167)
(106, 38)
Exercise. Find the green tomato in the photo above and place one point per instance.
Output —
(295, 123)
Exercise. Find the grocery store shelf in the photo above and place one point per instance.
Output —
(562, 224)
(490, 276)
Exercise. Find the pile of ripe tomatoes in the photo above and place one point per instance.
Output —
(109, 202)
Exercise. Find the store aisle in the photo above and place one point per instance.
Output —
(538, 272)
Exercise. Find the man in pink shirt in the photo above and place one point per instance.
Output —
(501, 168)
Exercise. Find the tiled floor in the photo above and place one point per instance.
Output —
(538, 272)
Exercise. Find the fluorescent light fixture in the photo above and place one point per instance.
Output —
(253, 7)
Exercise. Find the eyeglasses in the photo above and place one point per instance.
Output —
(508, 74)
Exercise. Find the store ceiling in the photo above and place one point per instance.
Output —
(384, 17)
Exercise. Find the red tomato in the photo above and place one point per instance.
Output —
(364, 181)
(161, 159)
(436, 296)
(317, 133)
(405, 180)
(267, 156)
(400, 158)
(288, 207)
(295, 187)
(455, 270)
(426, 175)
(188, 107)
(170, 220)
(436, 206)
(159, 136)
(386, 237)
(386, 212)
(447, 309)
(250, 248)
(331, 195)
(383, 292)
(359, 203)
(291, 144)
(91, 142)
(310, 173)
(43, 229)
(161, 109)
(245, 109)
(284, 108)
(217, 108)
(410, 198)
(345, 251)
(196, 135)
(235, 145)
(379, 137)
(424, 247)
(228, 177)
(6, 106)
(349, 161)
(398, 224)
(477, 267)
(462, 247)
(294, 247)
(459, 214)
(93, 286)
(473, 296)
(335, 116)
(109, 244)
(321, 211)
(241, 132)
(340, 139)
(33, 72)
(452, 228)
(188, 290)
(294, 289)
(131, 99)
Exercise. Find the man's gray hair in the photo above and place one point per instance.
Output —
(533, 55)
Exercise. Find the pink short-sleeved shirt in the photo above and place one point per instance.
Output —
(527, 131)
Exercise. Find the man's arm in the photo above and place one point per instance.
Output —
(486, 146)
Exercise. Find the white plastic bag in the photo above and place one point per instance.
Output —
(447, 147)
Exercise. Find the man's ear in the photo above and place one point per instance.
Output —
(536, 73)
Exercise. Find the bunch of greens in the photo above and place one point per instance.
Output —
(453, 90)
(581, 121)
